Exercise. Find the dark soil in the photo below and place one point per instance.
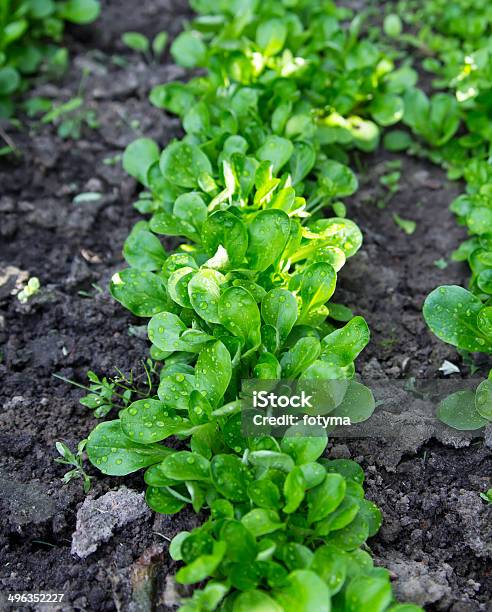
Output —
(436, 537)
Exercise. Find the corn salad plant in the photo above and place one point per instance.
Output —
(455, 124)
(289, 90)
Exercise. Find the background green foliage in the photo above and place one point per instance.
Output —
(29, 31)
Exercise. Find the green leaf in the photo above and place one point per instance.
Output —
(294, 489)
(261, 521)
(264, 460)
(479, 220)
(358, 403)
(143, 250)
(174, 97)
(177, 286)
(392, 25)
(458, 410)
(190, 207)
(79, 11)
(313, 473)
(230, 477)
(264, 493)
(296, 556)
(159, 43)
(484, 281)
(162, 501)
(143, 293)
(444, 117)
(279, 309)
(372, 514)
(139, 156)
(154, 477)
(203, 566)
(149, 420)
(305, 592)
(136, 41)
(175, 545)
(171, 225)
(301, 161)
(277, 151)
(222, 228)
(267, 367)
(241, 545)
(198, 543)
(199, 409)
(368, 593)
(183, 465)
(271, 36)
(304, 352)
(166, 333)
(318, 282)
(483, 399)
(330, 563)
(197, 119)
(13, 31)
(325, 498)
(239, 313)
(9, 80)
(189, 50)
(352, 536)
(339, 312)
(336, 179)
(451, 313)
(175, 389)
(484, 321)
(342, 346)
(204, 293)
(406, 225)
(117, 455)
(213, 372)
(341, 233)
(417, 107)
(268, 234)
(346, 467)
(302, 448)
(341, 517)
(387, 109)
(182, 164)
(255, 600)
(397, 140)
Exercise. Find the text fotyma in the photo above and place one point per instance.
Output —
(265, 399)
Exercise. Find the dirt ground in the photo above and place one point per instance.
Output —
(437, 533)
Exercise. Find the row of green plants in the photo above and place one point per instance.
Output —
(291, 89)
(454, 124)
(244, 293)
(30, 33)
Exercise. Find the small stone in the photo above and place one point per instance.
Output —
(97, 519)
(10, 278)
